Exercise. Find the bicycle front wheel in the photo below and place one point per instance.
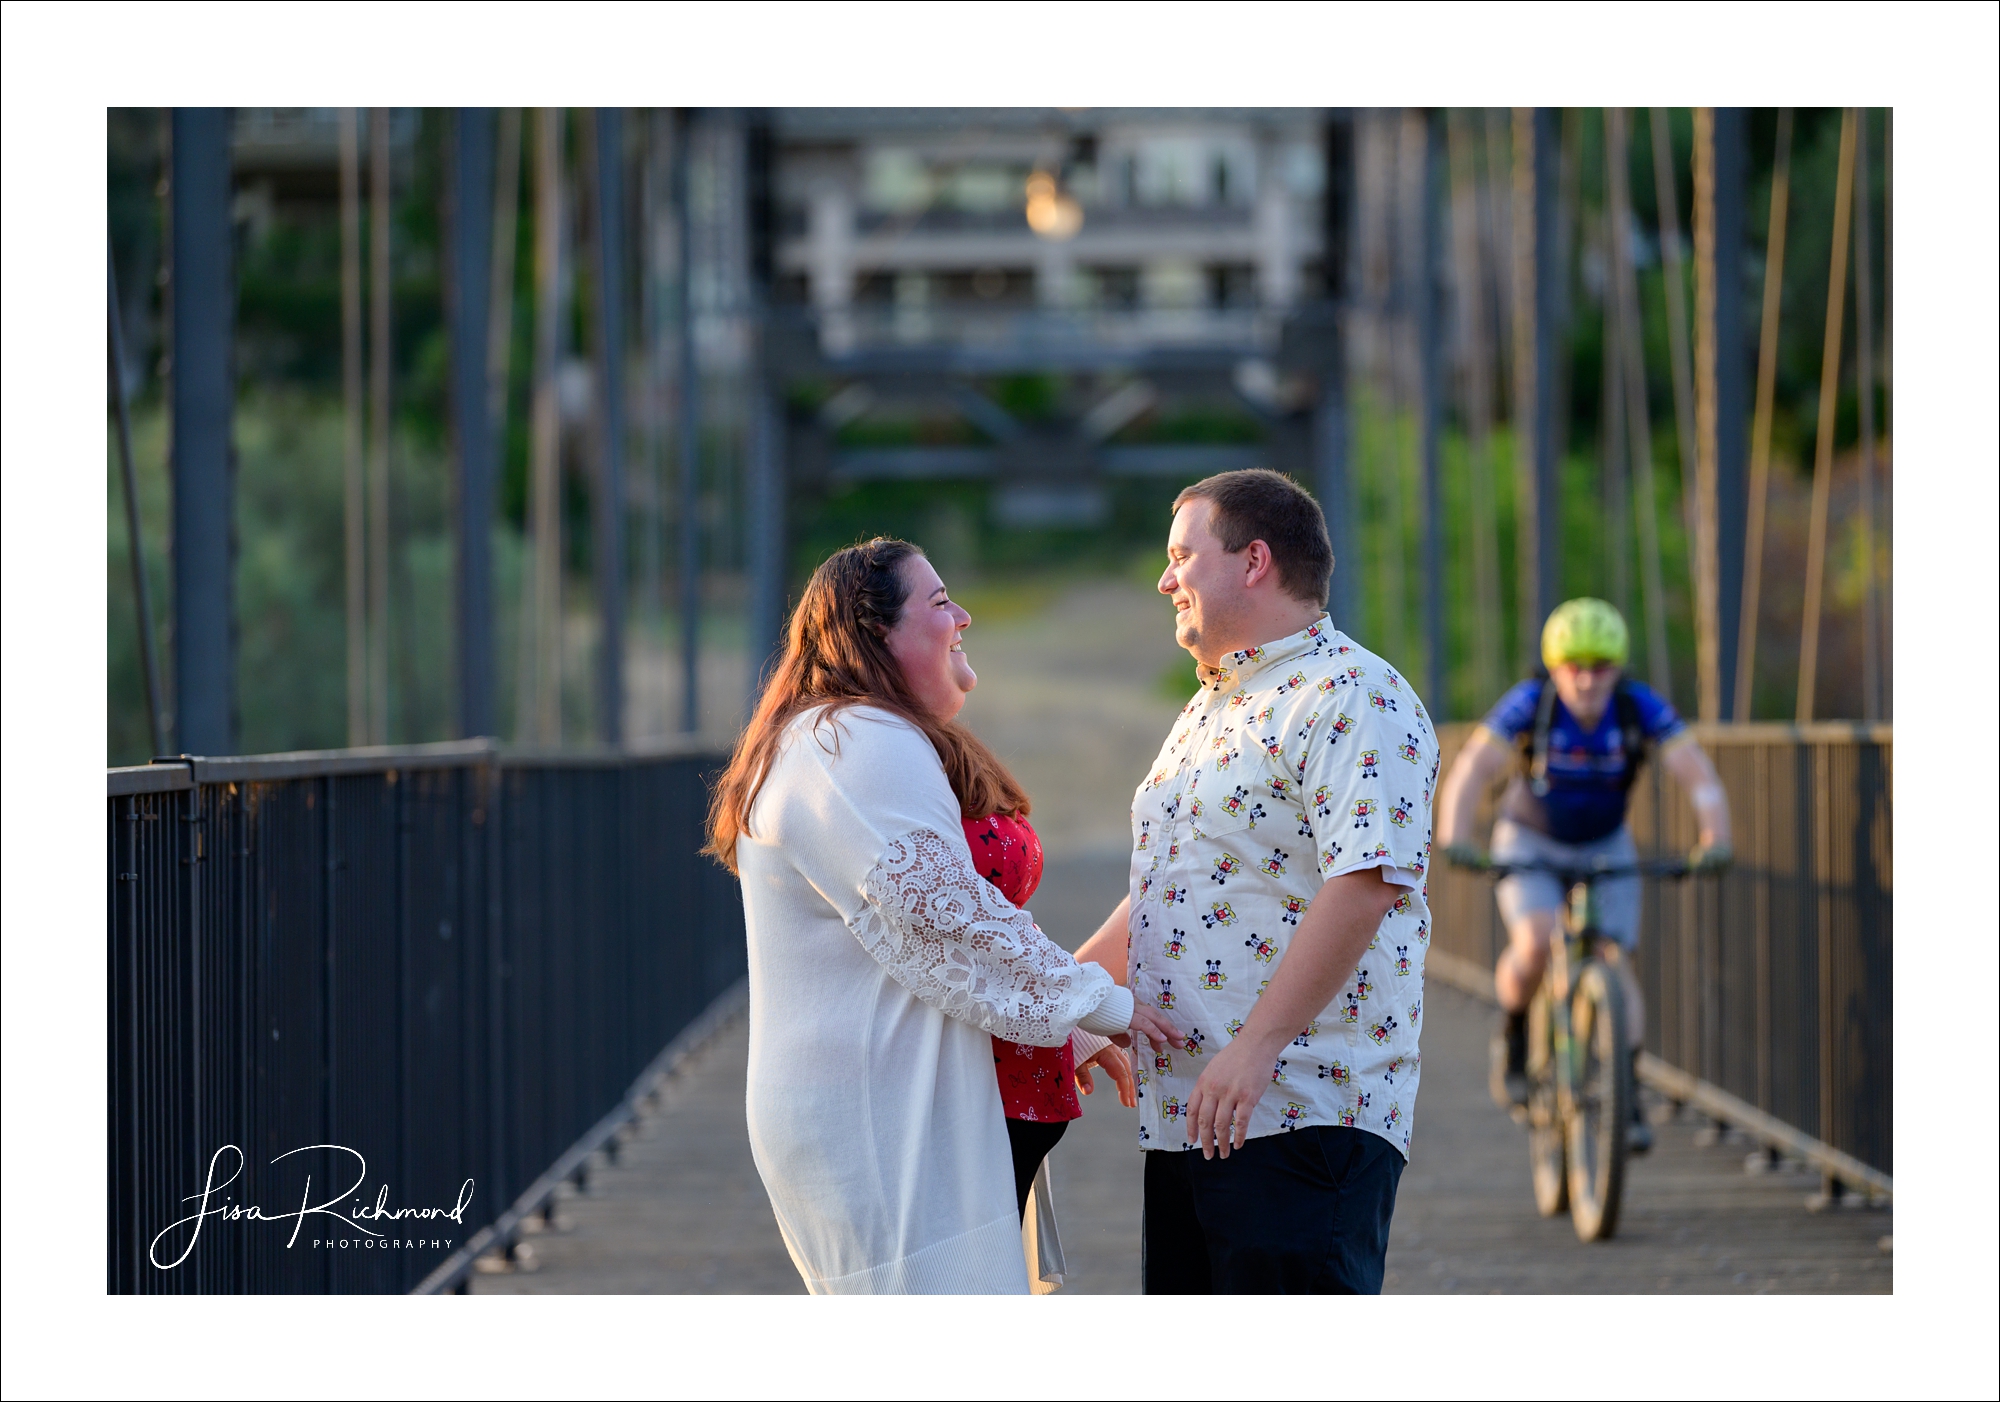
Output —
(1602, 1096)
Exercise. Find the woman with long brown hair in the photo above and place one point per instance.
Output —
(884, 966)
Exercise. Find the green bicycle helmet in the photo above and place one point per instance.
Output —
(1585, 630)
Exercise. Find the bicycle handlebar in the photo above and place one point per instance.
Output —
(1571, 873)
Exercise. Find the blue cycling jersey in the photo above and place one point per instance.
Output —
(1586, 772)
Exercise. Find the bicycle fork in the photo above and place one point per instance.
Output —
(1577, 918)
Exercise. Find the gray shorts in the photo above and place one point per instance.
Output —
(1518, 896)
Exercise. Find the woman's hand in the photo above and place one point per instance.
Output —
(1115, 1064)
(1152, 1027)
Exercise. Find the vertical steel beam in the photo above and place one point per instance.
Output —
(1733, 371)
(1536, 269)
(1679, 358)
(766, 536)
(1330, 427)
(1430, 393)
(1721, 400)
(381, 385)
(539, 713)
(690, 436)
(354, 409)
(1474, 309)
(506, 244)
(1617, 563)
(472, 416)
(1564, 292)
(608, 548)
(1703, 495)
(204, 299)
(653, 182)
(142, 597)
(1632, 379)
(1548, 297)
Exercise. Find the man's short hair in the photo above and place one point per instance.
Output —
(1255, 503)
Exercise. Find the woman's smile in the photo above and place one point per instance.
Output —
(928, 641)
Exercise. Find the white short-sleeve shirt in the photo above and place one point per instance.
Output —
(1297, 761)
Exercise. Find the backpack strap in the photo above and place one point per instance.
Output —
(1537, 752)
(1632, 732)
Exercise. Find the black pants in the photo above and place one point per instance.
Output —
(1298, 1213)
(1031, 1141)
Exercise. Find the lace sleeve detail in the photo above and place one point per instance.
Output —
(945, 934)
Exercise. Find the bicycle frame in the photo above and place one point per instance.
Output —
(1577, 947)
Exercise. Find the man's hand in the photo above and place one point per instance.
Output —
(1150, 1026)
(1333, 934)
(1114, 1063)
(1219, 1110)
(1711, 856)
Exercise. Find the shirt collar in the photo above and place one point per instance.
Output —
(1239, 668)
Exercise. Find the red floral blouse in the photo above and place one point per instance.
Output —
(1036, 1083)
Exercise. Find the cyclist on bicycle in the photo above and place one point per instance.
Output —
(1575, 740)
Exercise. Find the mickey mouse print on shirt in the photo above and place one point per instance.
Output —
(1297, 761)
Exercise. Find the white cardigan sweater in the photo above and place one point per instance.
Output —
(880, 962)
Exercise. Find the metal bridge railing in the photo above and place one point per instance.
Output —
(1768, 989)
(449, 961)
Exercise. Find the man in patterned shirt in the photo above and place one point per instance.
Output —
(1276, 916)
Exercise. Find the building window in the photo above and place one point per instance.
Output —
(1169, 173)
(985, 287)
(1172, 284)
(1232, 285)
(1116, 288)
(878, 289)
(985, 189)
(895, 181)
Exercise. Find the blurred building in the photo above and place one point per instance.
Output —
(1145, 228)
